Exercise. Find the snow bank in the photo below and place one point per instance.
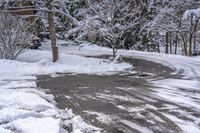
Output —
(27, 100)
(24, 108)
(182, 65)
(40, 63)
(35, 125)
(28, 112)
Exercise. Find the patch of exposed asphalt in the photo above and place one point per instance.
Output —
(120, 103)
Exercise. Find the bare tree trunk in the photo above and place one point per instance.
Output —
(184, 44)
(158, 48)
(190, 44)
(170, 42)
(194, 40)
(52, 35)
(190, 36)
(183, 35)
(176, 44)
(195, 33)
(167, 43)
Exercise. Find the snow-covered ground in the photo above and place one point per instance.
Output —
(184, 91)
(185, 66)
(24, 108)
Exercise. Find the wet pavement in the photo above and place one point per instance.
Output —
(120, 103)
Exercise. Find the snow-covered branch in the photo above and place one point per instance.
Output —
(14, 36)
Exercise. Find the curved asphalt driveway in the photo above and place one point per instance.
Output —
(122, 103)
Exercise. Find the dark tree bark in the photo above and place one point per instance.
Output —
(195, 33)
(52, 34)
(176, 44)
(184, 39)
(170, 42)
(194, 41)
(158, 48)
(190, 36)
(190, 44)
(167, 43)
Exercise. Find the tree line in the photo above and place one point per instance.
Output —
(170, 26)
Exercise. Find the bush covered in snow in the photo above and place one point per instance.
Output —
(14, 36)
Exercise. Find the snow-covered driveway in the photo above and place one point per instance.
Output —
(26, 108)
(189, 67)
(185, 69)
(164, 103)
(178, 92)
(128, 102)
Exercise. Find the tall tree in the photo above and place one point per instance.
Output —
(169, 20)
(191, 19)
(110, 22)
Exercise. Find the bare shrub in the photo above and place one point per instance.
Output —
(14, 36)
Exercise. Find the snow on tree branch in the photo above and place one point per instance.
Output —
(189, 13)
(14, 36)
